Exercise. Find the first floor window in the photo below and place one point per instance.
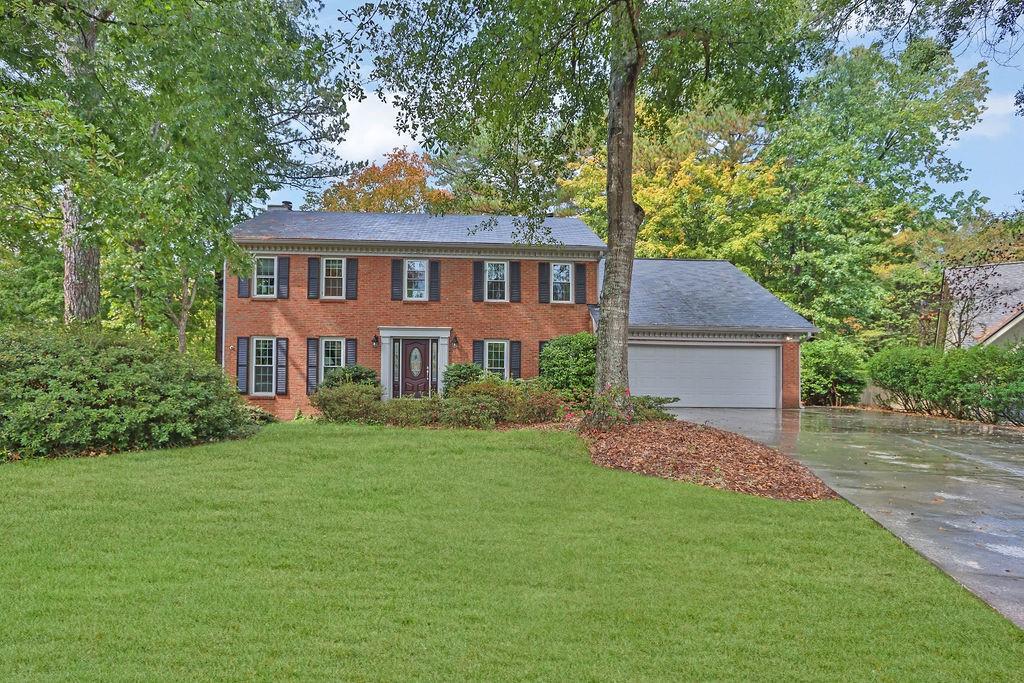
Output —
(496, 357)
(332, 355)
(333, 278)
(416, 280)
(496, 280)
(266, 275)
(561, 282)
(263, 366)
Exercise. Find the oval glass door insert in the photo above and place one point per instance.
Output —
(415, 362)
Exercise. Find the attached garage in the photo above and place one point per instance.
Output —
(704, 332)
(713, 376)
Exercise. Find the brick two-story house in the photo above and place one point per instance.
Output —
(408, 294)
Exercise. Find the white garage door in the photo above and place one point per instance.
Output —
(707, 376)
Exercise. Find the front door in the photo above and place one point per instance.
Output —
(415, 367)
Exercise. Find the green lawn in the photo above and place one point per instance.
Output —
(317, 551)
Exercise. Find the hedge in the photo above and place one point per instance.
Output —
(832, 372)
(984, 383)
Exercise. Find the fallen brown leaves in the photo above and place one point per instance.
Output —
(706, 456)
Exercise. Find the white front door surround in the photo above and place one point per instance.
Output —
(388, 336)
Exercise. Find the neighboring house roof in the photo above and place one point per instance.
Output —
(988, 298)
(705, 295)
(283, 225)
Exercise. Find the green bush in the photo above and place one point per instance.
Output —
(348, 403)
(411, 412)
(568, 364)
(458, 375)
(83, 391)
(350, 374)
(979, 383)
(518, 402)
(476, 411)
(1006, 402)
(832, 372)
(616, 406)
(259, 416)
(647, 408)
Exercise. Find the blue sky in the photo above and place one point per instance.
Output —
(992, 151)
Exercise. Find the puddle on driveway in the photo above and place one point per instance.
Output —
(953, 491)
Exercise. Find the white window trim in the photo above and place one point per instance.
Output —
(323, 276)
(273, 367)
(572, 284)
(344, 359)
(486, 297)
(426, 280)
(503, 342)
(255, 278)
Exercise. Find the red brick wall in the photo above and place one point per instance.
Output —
(299, 317)
(791, 375)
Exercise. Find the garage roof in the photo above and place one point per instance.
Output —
(283, 225)
(705, 295)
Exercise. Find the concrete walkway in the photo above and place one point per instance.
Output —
(952, 491)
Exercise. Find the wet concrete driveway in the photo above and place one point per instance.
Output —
(952, 491)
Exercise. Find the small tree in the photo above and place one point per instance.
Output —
(832, 372)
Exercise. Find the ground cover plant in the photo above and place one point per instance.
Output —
(320, 551)
(84, 391)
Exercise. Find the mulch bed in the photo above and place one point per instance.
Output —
(706, 456)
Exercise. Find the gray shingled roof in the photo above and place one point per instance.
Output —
(417, 228)
(996, 291)
(705, 295)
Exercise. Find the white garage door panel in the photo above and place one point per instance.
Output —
(706, 376)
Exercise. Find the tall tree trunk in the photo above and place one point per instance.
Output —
(81, 264)
(624, 214)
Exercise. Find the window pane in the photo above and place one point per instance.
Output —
(334, 354)
(265, 266)
(334, 280)
(265, 281)
(561, 281)
(496, 357)
(415, 279)
(496, 281)
(263, 366)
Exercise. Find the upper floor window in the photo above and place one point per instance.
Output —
(416, 279)
(496, 281)
(561, 282)
(332, 278)
(263, 366)
(266, 276)
(496, 357)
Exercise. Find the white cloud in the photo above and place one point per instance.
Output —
(371, 131)
(997, 121)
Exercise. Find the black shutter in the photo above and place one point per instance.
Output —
(281, 380)
(515, 287)
(312, 364)
(478, 352)
(351, 278)
(396, 279)
(283, 263)
(313, 285)
(515, 359)
(243, 288)
(351, 357)
(242, 365)
(580, 285)
(544, 282)
(435, 280)
(478, 280)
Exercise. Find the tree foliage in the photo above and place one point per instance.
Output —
(400, 185)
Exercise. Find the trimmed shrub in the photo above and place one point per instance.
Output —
(568, 364)
(518, 402)
(350, 374)
(646, 408)
(1007, 403)
(979, 383)
(832, 372)
(615, 406)
(411, 412)
(458, 375)
(259, 416)
(348, 402)
(84, 391)
(475, 411)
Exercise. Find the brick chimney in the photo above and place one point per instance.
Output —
(283, 206)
